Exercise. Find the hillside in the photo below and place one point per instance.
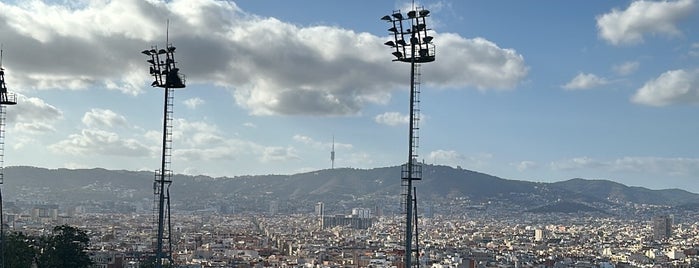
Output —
(442, 187)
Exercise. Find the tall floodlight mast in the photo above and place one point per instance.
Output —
(411, 44)
(166, 75)
(6, 98)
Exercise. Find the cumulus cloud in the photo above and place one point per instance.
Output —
(577, 163)
(475, 63)
(671, 87)
(274, 153)
(99, 118)
(34, 115)
(454, 158)
(321, 145)
(193, 103)
(694, 50)
(526, 165)
(314, 70)
(585, 81)
(677, 166)
(392, 119)
(99, 142)
(626, 68)
(643, 17)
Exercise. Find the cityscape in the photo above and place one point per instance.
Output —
(457, 139)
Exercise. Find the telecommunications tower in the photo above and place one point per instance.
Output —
(411, 44)
(332, 155)
(6, 98)
(167, 76)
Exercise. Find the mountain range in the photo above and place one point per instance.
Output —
(340, 189)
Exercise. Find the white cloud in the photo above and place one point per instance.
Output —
(671, 87)
(626, 68)
(642, 17)
(314, 70)
(193, 103)
(250, 125)
(392, 119)
(277, 154)
(474, 62)
(577, 163)
(33, 115)
(694, 50)
(97, 118)
(321, 145)
(454, 158)
(677, 166)
(526, 165)
(585, 81)
(90, 142)
(444, 156)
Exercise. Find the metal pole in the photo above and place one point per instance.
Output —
(417, 240)
(409, 195)
(161, 197)
(2, 230)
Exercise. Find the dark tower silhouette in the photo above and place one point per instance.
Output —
(418, 49)
(332, 155)
(166, 75)
(6, 98)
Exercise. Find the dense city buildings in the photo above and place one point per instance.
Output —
(490, 236)
(662, 227)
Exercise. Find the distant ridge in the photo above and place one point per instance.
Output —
(341, 189)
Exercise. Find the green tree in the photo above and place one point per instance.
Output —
(19, 250)
(65, 248)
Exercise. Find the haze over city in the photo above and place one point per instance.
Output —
(541, 92)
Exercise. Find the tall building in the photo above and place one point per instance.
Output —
(662, 227)
(320, 209)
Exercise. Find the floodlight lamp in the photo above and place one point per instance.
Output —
(413, 40)
(393, 30)
(147, 52)
(420, 27)
(424, 13)
(386, 18)
(154, 84)
(427, 39)
(401, 42)
(397, 54)
(151, 61)
(152, 51)
(411, 14)
(390, 44)
(162, 51)
(171, 49)
(424, 52)
(398, 16)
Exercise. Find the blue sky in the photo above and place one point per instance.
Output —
(543, 91)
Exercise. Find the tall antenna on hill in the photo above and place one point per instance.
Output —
(332, 155)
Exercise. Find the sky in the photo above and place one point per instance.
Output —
(540, 92)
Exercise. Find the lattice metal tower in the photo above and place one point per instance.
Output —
(167, 76)
(419, 49)
(6, 98)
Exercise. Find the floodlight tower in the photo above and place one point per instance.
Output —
(166, 75)
(420, 49)
(6, 98)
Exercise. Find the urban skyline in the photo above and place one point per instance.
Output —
(576, 89)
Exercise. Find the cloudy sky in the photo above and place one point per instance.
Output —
(542, 92)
